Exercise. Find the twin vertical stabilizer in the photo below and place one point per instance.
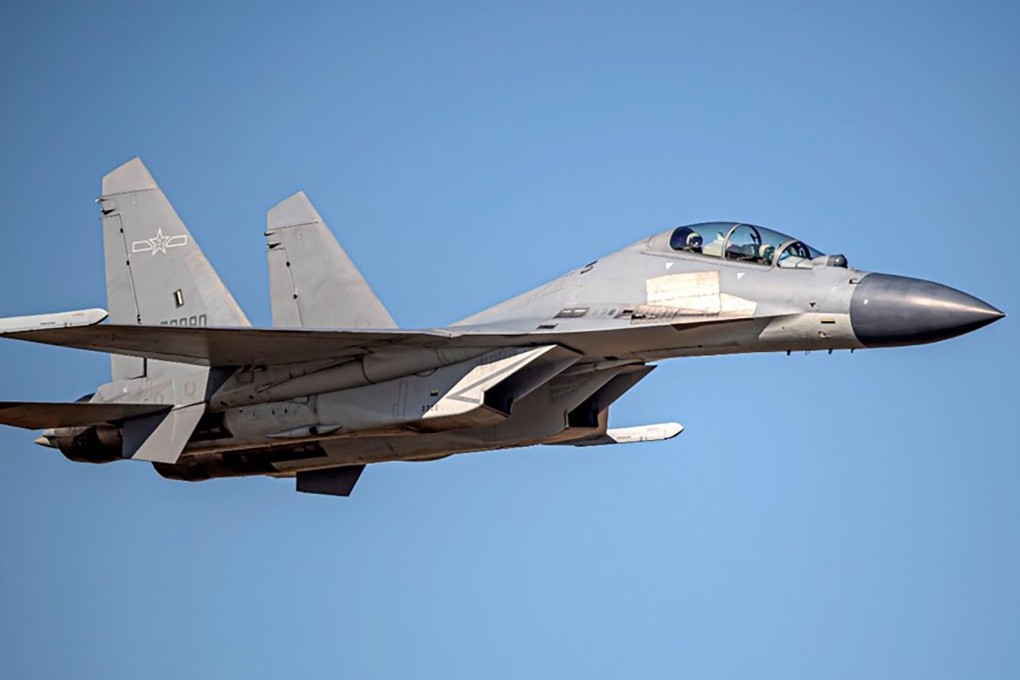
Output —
(156, 275)
(312, 281)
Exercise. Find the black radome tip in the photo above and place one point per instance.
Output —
(890, 311)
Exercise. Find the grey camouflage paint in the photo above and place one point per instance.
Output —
(335, 385)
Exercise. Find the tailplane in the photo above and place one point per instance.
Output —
(40, 415)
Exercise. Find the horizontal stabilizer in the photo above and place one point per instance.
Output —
(631, 435)
(42, 415)
(83, 317)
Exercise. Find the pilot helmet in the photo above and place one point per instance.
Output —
(685, 238)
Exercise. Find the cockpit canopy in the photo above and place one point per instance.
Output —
(743, 243)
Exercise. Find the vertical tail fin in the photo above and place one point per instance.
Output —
(155, 272)
(312, 281)
(157, 275)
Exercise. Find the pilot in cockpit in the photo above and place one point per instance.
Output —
(744, 243)
(687, 239)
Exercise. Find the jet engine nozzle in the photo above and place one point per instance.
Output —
(890, 311)
(93, 444)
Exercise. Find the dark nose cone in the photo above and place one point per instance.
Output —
(887, 311)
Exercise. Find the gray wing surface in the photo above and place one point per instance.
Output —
(39, 415)
(250, 346)
(312, 281)
(229, 346)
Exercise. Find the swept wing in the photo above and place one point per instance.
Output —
(247, 346)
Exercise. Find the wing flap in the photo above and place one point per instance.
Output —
(42, 415)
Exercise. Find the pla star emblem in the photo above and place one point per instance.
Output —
(159, 243)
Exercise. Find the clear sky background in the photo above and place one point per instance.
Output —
(844, 516)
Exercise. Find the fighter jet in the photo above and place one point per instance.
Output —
(334, 385)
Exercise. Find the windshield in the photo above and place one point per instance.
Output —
(742, 243)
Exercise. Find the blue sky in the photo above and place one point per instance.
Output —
(839, 516)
